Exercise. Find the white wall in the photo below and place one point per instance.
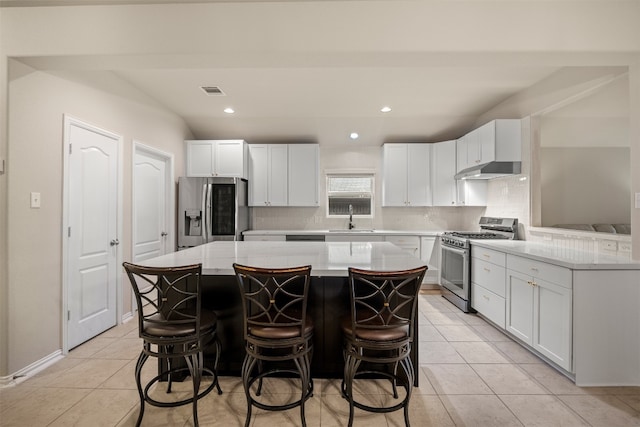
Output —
(585, 185)
(38, 102)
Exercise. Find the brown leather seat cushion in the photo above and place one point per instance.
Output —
(281, 332)
(375, 334)
(208, 321)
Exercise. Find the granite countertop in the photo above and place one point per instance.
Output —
(359, 231)
(330, 259)
(563, 257)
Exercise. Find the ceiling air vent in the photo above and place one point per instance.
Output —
(212, 90)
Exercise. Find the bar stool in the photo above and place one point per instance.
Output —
(379, 331)
(277, 331)
(173, 325)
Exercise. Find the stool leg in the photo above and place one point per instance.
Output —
(168, 350)
(407, 367)
(139, 364)
(351, 367)
(215, 366)
(304, 386)
(247, 367)
(194, 363)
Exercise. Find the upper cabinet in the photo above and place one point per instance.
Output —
(447, 191)
(222, 158)
(499, 140)
(303, 174)
(443, 168)
(283, 174)
(268, 174)
(406, 176)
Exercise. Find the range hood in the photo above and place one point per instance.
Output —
(490, 170)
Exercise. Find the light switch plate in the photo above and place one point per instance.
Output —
(35, 200)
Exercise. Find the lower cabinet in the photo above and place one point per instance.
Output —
(430, 253)
(488, 284)
(264, 238)
(539, 311)
(488, 304)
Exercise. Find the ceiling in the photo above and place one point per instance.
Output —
(321, 103)
(314, 96)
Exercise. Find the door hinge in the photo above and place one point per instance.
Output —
(69, 232)
(70, 149)
(68, 315)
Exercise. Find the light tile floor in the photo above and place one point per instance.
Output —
(470, 375)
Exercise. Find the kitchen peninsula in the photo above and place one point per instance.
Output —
(328, 293)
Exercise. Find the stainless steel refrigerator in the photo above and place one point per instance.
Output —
(211, 209)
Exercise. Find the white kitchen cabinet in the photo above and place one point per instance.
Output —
(303, 175)
(353, 237)
(264, 238)
(498, 140)
(443, 169)
(430, 254)
(268, 184)
(406, 176)
(447, 191)
(409, 244)
(539, 307)
(220, 158)
(488, 290)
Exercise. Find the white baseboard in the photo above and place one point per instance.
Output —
(126, 317)
(31, 370)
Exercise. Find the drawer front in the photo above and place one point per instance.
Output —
(413, 241)
(541, 270)
(488, 304)
(264, 238)
(489, 276)
(488, 255)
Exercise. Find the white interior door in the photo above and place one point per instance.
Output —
(152, 204)
(93, 230)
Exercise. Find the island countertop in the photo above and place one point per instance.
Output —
(326, 258)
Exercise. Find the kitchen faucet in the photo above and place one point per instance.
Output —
(351, 224)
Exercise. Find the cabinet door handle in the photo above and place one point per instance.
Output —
(486, 297)
(488, 270)
(534, 269)
(486, 256)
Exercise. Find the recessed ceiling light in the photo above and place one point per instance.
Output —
(385, 109)
(354, 135)
(229, 110)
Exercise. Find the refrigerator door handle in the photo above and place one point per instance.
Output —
(209, 214)
(205, 231)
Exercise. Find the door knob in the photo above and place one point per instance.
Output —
(114, 242)
(164, 233)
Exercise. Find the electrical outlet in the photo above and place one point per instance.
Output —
(35, 200)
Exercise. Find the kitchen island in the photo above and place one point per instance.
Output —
(578, 310)
(328, 292)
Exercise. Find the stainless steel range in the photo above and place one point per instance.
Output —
(455, 256)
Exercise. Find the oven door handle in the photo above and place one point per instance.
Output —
(462, 252)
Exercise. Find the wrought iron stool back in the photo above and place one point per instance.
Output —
(173, 325)
(379, 331)
(277, 329)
